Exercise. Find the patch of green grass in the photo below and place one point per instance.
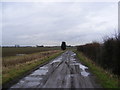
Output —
(21, 69)
(106, 79)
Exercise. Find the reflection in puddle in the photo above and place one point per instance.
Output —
(56, 60)
(31, 84)
(68, 64)
(41, 71)
(73, 55)
(20, 54)
(32, 78)
(84, 73)
(43, 68)
(82, 67)
(22, 81)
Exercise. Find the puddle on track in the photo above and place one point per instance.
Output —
(32, 79)
(73, 55)
(20, 54)
(82, 67)
(56, 60)
(32, 84)
(41, 71)
(84, 73)
(35, 78)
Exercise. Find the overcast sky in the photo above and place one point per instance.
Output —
(50, 23)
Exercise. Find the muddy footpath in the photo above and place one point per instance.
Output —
(65, 71)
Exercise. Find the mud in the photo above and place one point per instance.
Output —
(63, 72)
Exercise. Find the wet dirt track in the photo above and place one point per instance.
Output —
(63, 72)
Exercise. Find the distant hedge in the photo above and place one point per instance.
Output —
(107, 55)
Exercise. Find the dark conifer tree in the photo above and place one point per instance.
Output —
(63, 46)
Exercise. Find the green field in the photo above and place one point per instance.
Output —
(12, 51)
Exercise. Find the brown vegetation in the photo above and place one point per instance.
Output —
(107, 55)
(10, 61)
(16, 66)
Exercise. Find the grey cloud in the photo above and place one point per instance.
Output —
(51, 23)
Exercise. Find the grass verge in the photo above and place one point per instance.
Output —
(12, 72)
(106, 79)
